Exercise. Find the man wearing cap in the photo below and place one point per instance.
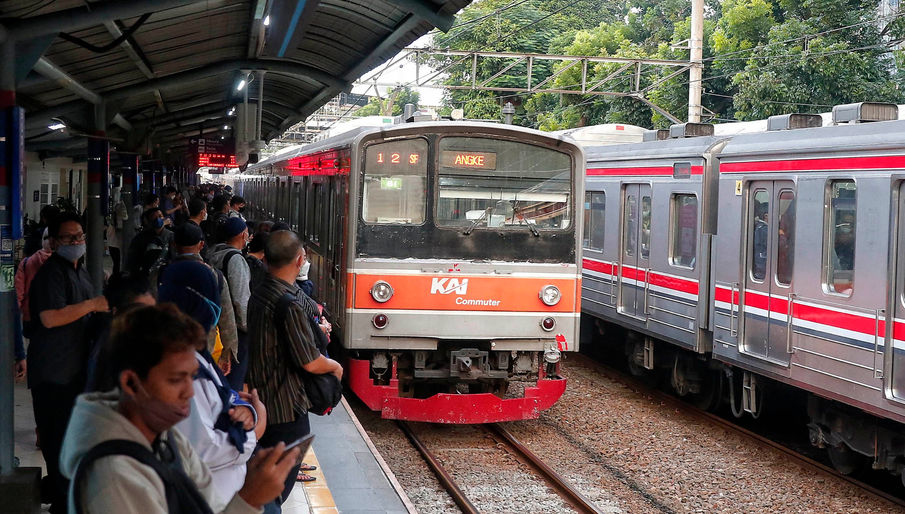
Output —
(188, 241)
(227, 257)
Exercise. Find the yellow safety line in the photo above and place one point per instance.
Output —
(320, 499)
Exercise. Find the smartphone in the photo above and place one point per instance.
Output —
(303, 443)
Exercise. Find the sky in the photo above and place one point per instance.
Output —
(403, 73)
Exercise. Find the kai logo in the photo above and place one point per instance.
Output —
(449, 286)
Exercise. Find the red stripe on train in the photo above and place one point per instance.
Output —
(656, 279)
(841, 163)
(652, 170)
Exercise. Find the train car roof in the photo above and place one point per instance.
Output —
(667, 148)
(356, 133)
(840, 138)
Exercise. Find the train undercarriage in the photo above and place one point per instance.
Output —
(855, 440)
(460, 382)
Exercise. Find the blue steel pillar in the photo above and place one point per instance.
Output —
(11, 141)
(98, 193)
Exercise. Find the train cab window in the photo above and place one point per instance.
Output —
(502, 185)
(684, 234)
(839, 240)
(395, 182)
(594, 210)
(785, 248)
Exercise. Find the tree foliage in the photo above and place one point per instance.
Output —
(761, 57)
(392, 104)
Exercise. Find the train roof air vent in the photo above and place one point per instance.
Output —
(793, 121)
(863, 112)
(655, 135)
(690, 130)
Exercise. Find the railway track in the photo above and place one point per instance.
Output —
(636, 384)
(555, 482)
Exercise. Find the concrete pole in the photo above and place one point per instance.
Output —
(260, 75)
(7, 290)
(98, 190)
(696, 72)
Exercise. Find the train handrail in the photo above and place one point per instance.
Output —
(646, 291)
(790, 309)
(878, 373)
(732, 316)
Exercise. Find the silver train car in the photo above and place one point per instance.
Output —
(738, 262)
(448, 256)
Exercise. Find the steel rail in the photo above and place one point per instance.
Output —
(446, 480)
(563, 488)
(621, 377)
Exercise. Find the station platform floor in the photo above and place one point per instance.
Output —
(352, 478)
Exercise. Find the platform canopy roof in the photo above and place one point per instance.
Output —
(167, 70)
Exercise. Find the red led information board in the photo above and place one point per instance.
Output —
(214, 152)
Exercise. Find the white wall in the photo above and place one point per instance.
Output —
(43, 176)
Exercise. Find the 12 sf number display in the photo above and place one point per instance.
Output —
(396, 157)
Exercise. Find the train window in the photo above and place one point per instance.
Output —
(501, 184)
(395, 182)
(684, 212)
(630, 224)
(839, 247)
(785, 248)
(594, 210)
(759, 228)
(645, 227)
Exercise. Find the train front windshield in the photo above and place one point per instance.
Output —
(467, 197)
(502, 184)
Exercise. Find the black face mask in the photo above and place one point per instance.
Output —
(241, 209)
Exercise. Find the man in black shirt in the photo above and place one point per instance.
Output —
(61, 299)
(151, 248)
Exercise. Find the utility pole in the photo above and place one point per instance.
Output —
(696, 72)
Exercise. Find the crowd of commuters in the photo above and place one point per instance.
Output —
(180, 387)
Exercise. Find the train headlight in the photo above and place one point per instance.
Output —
(381, 291)
(550, 295)
(548, 324)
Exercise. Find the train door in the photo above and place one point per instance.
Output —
(635, 258)
(768, 275)
(897, 371)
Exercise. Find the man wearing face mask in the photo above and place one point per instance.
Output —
(151, 248)
(227, 257)
(61, 299)
(122, 451)
(237, 207)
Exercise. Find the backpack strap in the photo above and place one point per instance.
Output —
(225, 266)
(182, 494)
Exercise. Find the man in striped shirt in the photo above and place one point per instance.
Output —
(280, 349)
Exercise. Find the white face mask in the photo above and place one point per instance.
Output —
(303, 271)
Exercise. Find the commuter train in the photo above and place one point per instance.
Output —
(448, 257)
(735, 263)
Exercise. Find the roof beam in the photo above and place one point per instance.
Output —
(80, 18)
(427, 11)
(187, 77)
(58, 75)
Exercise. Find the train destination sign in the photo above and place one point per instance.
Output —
(474, 160)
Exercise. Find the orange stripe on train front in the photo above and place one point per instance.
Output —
(465, 293)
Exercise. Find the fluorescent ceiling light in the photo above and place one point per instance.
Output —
(57, 126)
(267, 21)
(225, 127)
(231, 112)
(241, 85)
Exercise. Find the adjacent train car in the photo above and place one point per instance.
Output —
(448, 256)
(783, 252)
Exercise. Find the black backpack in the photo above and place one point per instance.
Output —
(323, 391)
(182, 494)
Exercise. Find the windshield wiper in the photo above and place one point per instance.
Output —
(475, 223)
(518, 215)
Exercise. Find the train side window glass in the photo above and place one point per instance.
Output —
(595, 208)
(684, 230)
(785, 248)
(839, 248)
(630, 226)
(759, 230)
(395, 182)
(645, 227)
